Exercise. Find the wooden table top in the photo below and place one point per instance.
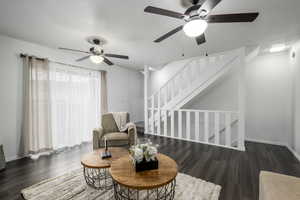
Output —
(94, 160)
(123, 172)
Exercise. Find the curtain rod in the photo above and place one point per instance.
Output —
(70, 65)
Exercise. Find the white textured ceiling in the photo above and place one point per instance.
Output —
(130, 31)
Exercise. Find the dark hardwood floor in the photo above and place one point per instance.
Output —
(237, 172)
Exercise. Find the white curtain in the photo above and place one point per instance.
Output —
(37, 108)
(75, 104)
(62, 105)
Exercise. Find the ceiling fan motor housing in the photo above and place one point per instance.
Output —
(194, 13)
(96, 50)
(96, 41)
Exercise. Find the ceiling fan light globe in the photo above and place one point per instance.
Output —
(96, 59)
(195, 28)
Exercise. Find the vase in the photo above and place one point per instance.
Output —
(145, 165)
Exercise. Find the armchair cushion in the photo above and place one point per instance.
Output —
(109, 124)
(116, 136)
(115, 139)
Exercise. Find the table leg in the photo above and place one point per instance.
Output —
(98, 178)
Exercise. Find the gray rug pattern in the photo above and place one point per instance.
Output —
(72, 186)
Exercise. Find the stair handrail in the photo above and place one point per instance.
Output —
(187, 64)
(217, 72)
(177, 73)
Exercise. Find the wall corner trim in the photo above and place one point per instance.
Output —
(277, 143)
(293, 152)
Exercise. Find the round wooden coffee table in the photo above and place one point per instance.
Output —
(95, 169)
(150, 184)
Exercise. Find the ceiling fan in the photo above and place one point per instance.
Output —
(96, 53)
(197, 17)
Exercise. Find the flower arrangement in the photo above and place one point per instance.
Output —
(144, 156)
(146, 151)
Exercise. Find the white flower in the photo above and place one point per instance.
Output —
(145, 151)
(138, 154)
(152, 152)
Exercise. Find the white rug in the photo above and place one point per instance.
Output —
(72, 186)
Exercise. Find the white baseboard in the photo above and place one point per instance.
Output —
(34, 157)
(266, 142)
(12, 158)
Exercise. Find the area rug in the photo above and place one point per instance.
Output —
(72, 186)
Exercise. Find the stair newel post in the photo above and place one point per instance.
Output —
(228, 129)
(172, 123)
(242, 100)
(165, 123)
(206, 126)
(152, 115)
(217, 128)
(159, 112)
(188, 125)
(180, 124)
(197, 128)
(146, 116)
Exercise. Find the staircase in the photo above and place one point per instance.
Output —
(165, 116)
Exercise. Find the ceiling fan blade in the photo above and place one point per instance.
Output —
(83, 58)
(107, 61)
(200, 39)
(172, 32)
(230, 18)
(116, 56)
(160, 11)
(208, 5)
(73, 50)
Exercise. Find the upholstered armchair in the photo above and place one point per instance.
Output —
(116, 133)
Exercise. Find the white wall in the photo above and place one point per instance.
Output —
(125, 88)
(269, 98)
(296, 65)
(223, 95)
(125, 92)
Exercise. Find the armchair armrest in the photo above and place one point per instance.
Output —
(132, 133)
(97, 135)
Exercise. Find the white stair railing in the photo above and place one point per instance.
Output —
(196, 72)
(165, 104)
(199, 126)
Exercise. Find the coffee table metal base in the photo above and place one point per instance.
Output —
(98, 178)
(165, 192)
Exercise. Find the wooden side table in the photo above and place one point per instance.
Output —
(95, 169)
(152, 184)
